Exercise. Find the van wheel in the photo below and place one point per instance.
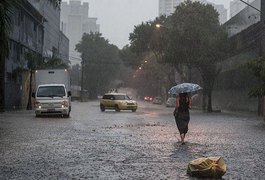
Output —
(67, 115)
(117, 109)
(102, 107)
(133, 110)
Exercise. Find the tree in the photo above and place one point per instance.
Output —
(100, 63)
(147, 38)
(76, 75)
(197, 40)
(148, 41)
(257, 68)
(129, 57)
(141, 37)
(5, 26)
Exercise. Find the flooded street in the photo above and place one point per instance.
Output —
(127, 145)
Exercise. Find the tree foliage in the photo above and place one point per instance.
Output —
(141, 37)
(129, 57)
(190, 39)
(257, 68)
(6, 8)
(147, 38)
(197, 40)
(5, 24)
(76, 74)
(100, 61)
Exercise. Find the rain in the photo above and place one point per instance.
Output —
(121, 89)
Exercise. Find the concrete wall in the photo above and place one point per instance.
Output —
(233, 84)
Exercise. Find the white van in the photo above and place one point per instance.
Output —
(52, 95)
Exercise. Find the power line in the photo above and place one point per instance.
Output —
(252, 6)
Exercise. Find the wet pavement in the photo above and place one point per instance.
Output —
(126, 145)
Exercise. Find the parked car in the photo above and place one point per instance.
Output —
(158, 100)
(117, 101)
(171, 102)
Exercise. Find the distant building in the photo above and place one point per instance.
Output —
(243, 19)
(75, 22)
(167, 7)
(220, 8)
(236, 6)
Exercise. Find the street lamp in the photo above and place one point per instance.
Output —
(161, 25)
(158, 25)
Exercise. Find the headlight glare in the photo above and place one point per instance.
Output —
(65, 104)
(37, 104)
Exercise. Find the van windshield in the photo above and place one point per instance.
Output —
(51, 91)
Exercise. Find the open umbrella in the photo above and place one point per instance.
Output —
(184, 88)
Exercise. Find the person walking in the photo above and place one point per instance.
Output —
(182, 114)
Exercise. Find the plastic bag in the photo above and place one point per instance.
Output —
(211, 167)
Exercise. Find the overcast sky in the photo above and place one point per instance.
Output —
(117, 18)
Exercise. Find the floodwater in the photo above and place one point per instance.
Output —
(126, 145)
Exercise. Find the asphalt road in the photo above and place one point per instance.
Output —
(126, 145)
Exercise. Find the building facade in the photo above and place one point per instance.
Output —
(236, 6)
(54, 40)
(26, 36)
(35, 30)
(75, 22)
(243, 19)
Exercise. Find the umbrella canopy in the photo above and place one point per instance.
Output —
(184, 88)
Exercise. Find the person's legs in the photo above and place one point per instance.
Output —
(182, 136)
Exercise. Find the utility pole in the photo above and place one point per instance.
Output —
(262, 19)
(262, 48)
(261, 12)
(82, 80)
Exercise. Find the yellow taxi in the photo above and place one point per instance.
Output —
(117, 101)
